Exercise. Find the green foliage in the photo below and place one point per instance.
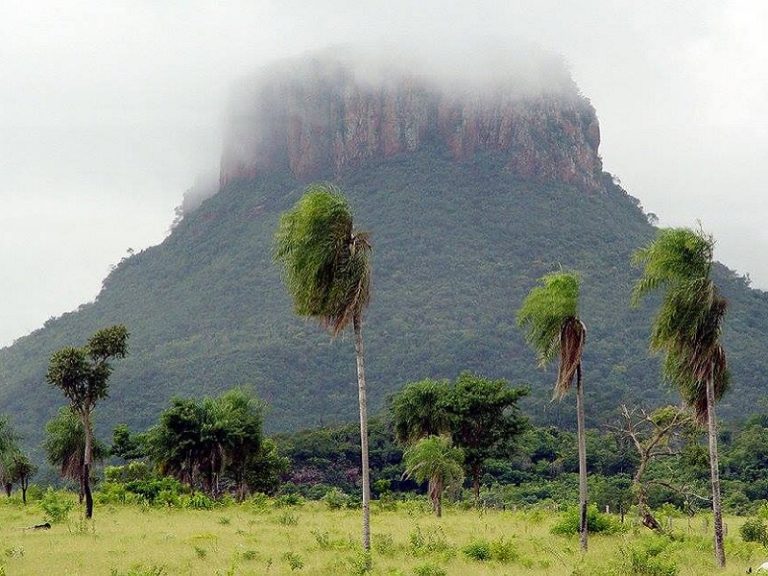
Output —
(56, 505)
(82, 374)
(429, 569)
(422, 409)
(597, 522)
(545, 310)
(754, 530)
(335, 499)
(203, 440)
(64, 444)
(688, 324)
(479, 550)
(326, 265)
(458, 246)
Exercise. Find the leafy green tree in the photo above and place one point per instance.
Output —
(20, 469)
(265, 468)
(83, 374)
(549, 316)
(485, 420)
(327, 271)
(199, 441)
(8, 448)
(434, 460)
(421, 409)
(126, 445)
(687, 331)
(64, 446)
(178, 442)
(239, 416)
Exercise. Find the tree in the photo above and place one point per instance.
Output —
(484, 421)
(660, 434)
(126, 445)
(8, 448)
(83, 374)
(239, 415)
(200, 441)
(421, 409)
(327, 271)
(687, 331)
(433, 459)
(64, 446)
(20, 470)
(549, 316)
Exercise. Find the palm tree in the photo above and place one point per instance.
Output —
(421, 409)
(549, 316)
(83, 374)
(687, 330)
(64, 446)
(434, 460)
(327, 270)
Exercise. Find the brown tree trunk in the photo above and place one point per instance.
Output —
(582, 460)
(87, 459)
(646, 517)
(366, 475)
(714, 468)
(8, 487)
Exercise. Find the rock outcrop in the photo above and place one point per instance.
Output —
(319, 118)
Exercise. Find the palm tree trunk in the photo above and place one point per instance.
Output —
(582, 460)
(87, 459)
(357, 324)
(714, 467)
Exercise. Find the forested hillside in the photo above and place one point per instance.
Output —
(457, 243)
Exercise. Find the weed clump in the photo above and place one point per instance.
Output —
(754, 530)
(597, 523)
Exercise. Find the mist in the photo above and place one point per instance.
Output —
(110, 111)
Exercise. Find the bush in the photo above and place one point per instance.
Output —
(479, 550)
(754, 530)
(335, 499)
(596, 522)
(429, 569)
(199, 501)
(56, 505)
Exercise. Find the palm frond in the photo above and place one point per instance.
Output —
(572, 338)
(325, 263)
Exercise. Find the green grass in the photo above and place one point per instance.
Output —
(140, 541)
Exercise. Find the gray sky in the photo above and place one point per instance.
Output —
(109, 110)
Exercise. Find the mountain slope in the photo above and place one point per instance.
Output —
(458, 241)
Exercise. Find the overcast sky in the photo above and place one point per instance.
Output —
(110, 109)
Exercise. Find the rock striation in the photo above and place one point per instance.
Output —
(321, 117)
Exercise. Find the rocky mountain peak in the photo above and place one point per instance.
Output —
(321, 116)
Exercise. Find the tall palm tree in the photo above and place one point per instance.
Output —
(687, 330)
(549, 316)
(434, 460)
(327, 270)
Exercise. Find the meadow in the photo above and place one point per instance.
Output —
(262, 537)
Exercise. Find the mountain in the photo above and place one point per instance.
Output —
(471, 190)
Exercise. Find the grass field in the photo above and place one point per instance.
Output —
(313, 540)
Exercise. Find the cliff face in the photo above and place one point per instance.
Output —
(322, 118)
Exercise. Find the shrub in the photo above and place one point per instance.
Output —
(429, 569)
(295, 562)
(56, 505)
(503, 551)
(479, 550)
(596, 522)
(199, 501)
(287, 500)
(754, 530)
(335, 499)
